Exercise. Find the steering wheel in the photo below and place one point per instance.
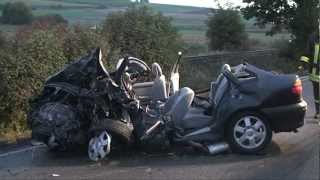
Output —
(133, 64)
(128, 70)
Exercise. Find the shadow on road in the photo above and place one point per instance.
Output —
(134, 158)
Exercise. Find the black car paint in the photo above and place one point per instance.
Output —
(286, 118)
(266, 93)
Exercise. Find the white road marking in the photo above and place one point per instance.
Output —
(21, 150)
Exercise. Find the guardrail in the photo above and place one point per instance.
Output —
(218, 56)
(198, 71)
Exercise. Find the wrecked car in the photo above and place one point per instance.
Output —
(85, 105)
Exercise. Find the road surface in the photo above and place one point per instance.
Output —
(290, 156)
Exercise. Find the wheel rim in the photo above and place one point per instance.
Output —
(250, 132)
(99, 146)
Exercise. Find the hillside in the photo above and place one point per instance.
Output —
(190, 21)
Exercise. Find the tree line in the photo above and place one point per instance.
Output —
(18, 13)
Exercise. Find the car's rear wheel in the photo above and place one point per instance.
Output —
(248, 133)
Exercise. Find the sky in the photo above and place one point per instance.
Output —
(198, 3)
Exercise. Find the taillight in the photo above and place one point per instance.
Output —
(297, 87)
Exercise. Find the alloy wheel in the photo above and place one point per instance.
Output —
(249, 132)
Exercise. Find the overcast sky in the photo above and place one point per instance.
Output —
(199, 3)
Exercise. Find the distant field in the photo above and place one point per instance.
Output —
(113, 3)
(8, 28)
(190, 21)
(268, 39)
(87, 16)
(199, 37)
(73, 3)
(50, 3)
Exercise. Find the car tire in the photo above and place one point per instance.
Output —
(248, 133)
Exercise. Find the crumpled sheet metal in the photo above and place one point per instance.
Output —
(57, 114)
(58, 121)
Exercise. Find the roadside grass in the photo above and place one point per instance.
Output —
(9, 29)
(8, 135)
(267, 40)
(193, 36)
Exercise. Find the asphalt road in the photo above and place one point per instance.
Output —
(290, 156)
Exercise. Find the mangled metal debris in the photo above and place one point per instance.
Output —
(85, 105)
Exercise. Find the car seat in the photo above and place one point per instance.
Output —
(158, 90)
(177, 106)
(154, 90)
(187, 117)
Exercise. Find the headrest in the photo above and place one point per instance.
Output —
(156, 70)
(226, 67)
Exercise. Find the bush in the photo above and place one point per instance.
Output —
(24, 71)
(226, 30)
(142, 33)
(16, 13)
(79, 39)
(40, 49)
(36, 52)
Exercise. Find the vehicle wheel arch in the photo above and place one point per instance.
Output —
(247, 110)
(116, 128)
(255, 112)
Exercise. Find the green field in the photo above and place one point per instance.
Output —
(190, 21)
(49, 4)
(72, 3)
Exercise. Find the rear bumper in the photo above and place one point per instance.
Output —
(286, 118)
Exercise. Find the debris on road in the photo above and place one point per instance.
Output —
(55, 175)
(148, 170)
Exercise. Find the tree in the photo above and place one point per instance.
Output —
(142, 33)
(299, 17)
(226, 30)
(16, 13)
(79, 40)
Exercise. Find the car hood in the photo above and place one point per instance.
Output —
(81, 72)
